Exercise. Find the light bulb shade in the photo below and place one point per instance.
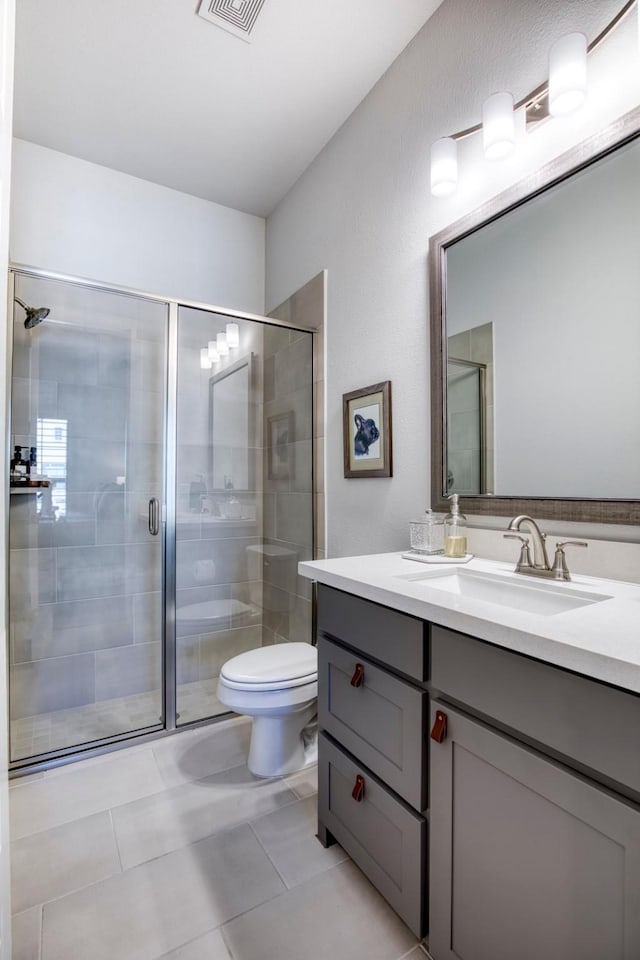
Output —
(223, 346)
(233, 336)
(498, 126)
(444, 166)
(205, 363)
(567, 74)
(212, 350)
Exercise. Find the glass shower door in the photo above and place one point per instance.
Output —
(244, 504)
(86, 538)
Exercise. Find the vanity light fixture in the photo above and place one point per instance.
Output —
(565, 91)
(233, 336)
(212, 349)
(567, 74)
(498, 126)
(205, 362)
(444, 166)
(223, 346)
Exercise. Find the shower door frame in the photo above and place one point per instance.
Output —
(481, 368)
(169, 727)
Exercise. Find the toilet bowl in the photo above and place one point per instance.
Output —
(278, 687)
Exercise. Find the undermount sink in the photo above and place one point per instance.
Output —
(529, 595)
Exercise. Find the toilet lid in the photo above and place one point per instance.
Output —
(272, 668)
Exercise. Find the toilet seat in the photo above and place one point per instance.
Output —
(280, 667)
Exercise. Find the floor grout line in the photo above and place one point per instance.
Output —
(263, 848)
(115, 840)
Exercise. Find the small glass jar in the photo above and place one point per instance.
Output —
(427, 534)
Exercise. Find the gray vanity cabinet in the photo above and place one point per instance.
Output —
(527, 858)
(535, 824)
(372, 754)
(530, 795)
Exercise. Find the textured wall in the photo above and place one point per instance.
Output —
(363, 210)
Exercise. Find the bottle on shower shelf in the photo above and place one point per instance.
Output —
(19, 468)
(197, 493)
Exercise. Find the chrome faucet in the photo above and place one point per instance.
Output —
(540, 566)
(540, 558)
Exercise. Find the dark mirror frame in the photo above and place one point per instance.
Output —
(625, 129)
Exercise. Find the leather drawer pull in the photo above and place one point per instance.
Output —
(358, 676)
(358, 789)
(439, 729)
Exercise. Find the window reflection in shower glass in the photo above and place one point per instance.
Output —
(51, 436)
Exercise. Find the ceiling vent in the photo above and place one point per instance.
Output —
(236, 16)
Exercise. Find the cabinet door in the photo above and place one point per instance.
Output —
(395, 639)
(381, 721)
(381, 833)
(527, 859)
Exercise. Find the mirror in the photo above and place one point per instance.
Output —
(230, 420)
(535, 339)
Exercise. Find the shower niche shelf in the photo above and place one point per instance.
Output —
(33, 486)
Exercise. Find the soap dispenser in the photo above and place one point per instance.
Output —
(455, 531)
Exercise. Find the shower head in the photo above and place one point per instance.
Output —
(35, 315)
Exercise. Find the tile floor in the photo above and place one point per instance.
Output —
(173, 850)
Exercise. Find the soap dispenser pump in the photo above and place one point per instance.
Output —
(455, 531)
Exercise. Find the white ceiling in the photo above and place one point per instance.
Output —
(150, 88)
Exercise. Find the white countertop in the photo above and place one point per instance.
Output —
(601, 640)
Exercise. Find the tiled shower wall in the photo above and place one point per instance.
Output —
(289, 524)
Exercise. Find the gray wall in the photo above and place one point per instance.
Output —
(363, 211)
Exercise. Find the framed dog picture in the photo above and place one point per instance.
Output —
(366, 427)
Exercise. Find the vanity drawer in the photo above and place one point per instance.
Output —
(583, 720)
(379, 832)
(396, 639)
(382, 720)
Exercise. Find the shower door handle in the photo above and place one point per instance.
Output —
(154, 516)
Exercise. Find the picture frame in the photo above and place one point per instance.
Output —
(280, 446)
(366, 431)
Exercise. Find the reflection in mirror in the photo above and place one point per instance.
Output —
(538, 294)
(230, 428)
(470, 411)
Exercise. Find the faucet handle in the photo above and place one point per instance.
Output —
(560, 569)
(524, 559)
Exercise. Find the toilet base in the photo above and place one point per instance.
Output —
(281, 745)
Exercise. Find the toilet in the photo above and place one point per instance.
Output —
(278, 687)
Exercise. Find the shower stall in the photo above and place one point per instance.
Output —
(161, 496)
